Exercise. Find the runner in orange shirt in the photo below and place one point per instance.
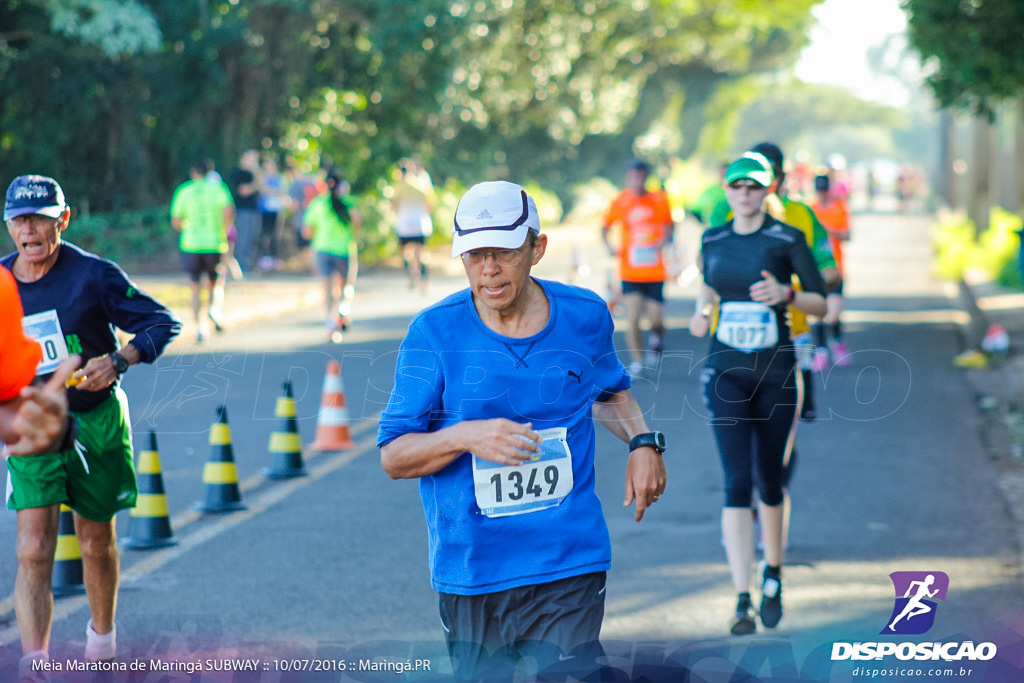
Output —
(645, 222)
(32, 419)
(833, 213)
(20, 354)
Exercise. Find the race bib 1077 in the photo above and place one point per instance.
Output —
(747, 326)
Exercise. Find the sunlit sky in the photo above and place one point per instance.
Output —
(836, 54)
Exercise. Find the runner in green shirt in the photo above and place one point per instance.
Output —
(330, 222)
(201, 210)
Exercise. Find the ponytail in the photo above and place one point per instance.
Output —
(334, 180)
(340, 208)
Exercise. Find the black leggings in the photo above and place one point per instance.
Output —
(825, 332)
(754, 421)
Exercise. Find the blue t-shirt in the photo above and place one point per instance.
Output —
(91, 296)
(452, 368)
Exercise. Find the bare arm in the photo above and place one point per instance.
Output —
(605, 229)
(833, 306)
(499, 440)
(670, 233)
(645, 470)
(700, 322)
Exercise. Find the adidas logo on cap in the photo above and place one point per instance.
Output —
(494, 214)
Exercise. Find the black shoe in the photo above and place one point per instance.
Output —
(218, 327)
(743, 623)
(771, 597)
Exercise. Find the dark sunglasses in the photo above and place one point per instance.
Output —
(737, 184)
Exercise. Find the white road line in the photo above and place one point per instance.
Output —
(261, 503)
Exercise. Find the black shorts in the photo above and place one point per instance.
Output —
(197, 264)
(420, 239)
(655, 291)
(557, 624)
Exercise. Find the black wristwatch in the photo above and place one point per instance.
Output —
(120, 363)
(655, 440)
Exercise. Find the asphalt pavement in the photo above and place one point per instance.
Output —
(900, 473)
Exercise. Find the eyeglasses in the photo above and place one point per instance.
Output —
(749, 184)
(503, 257)
(36, 220)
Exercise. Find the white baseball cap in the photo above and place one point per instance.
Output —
(496, 214)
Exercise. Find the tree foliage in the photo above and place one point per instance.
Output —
(117, 97)
(783, 113)
(117, 28)
(974, 48)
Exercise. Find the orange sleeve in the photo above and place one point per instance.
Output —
(844, 220)
(19, 355)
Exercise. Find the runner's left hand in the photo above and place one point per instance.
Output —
(97, 375)
(645, 479)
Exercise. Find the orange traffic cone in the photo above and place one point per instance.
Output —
(285, 445)
(332, 425)
(67, 560)
(150, 523)
(220, 474)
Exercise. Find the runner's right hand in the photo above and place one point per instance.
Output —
(502, 441)
(42, 412)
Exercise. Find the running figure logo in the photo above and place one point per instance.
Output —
(914, 611)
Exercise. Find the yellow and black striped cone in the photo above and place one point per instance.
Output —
(285, 444)
(67, 560)
(150, 522)
(220, 474)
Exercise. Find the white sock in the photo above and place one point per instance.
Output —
(100, 645)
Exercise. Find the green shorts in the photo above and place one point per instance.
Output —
(96, 478)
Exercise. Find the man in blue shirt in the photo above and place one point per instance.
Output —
(496, 388)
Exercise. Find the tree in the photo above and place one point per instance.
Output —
(544, 90)
(974, 49)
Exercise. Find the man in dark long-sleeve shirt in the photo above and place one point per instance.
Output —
(73, 301)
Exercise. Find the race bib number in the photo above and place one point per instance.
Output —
(747, 326)
(544, 482)
(644, 256)
(45, 328)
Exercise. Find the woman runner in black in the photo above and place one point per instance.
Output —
(750, 385)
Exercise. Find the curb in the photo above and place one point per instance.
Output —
(999, 390)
